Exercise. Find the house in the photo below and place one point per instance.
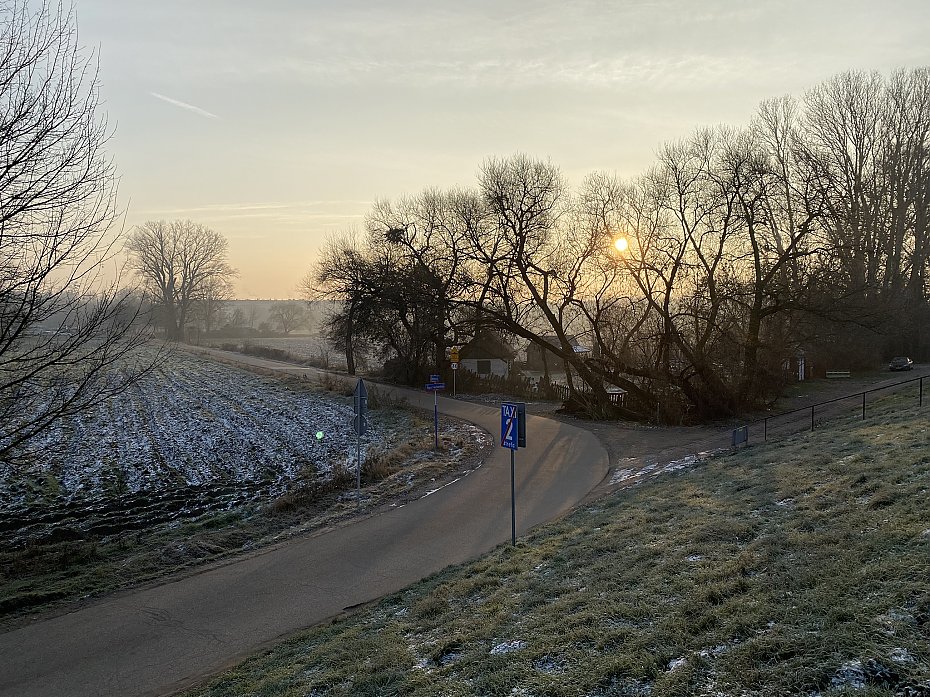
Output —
(486, 355)
(540, 358)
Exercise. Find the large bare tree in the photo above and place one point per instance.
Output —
(289, 316)
(179, 263)
(67, 330)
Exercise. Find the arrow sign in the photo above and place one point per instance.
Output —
(361, 399)
(509, 426)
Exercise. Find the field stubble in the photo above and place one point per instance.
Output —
(200, 461)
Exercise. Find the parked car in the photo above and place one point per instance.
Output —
(901, 363)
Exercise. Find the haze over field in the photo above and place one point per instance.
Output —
(277, 125)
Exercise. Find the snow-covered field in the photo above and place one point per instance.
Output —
(192, 436)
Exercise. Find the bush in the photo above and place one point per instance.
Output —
(311, 492)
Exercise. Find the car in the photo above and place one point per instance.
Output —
(901, 363)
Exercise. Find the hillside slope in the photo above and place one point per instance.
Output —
(800, 567)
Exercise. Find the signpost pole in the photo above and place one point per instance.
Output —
(359, 424)
(454, 360)
(513, 503)
(434, 386)
(513, 436)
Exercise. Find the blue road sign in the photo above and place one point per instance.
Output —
(509, 426)
(434, 378)
(436, 386)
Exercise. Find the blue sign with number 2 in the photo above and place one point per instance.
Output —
(509, 426)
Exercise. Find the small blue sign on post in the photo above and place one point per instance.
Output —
(510, 426)
(435, 386)
(510, 438)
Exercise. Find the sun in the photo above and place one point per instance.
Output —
(621, 244)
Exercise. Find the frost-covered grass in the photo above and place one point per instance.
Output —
(205, 435)
(201, 460)
(797, 567)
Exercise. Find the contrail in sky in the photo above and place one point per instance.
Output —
(184, 105)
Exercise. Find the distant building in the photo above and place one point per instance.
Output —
(486, 355)
(541, 358)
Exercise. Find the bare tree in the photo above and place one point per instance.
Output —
(289, 316)
(211, 308)
(178, 263)
(341, 273)
(424, 238)
(67, 336)
(252, 315)
(238, 318)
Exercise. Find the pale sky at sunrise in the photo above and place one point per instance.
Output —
(277, 123)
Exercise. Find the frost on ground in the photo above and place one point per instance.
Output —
(508, 646)
(193, 436)
(633, 474)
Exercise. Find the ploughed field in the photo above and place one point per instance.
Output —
(192, 437)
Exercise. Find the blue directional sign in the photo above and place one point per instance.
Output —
(434, 378)
(509, 426)
(435, 386)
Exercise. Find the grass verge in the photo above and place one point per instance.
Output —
(800, 567)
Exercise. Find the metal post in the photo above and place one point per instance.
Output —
(513, 503)
(765, 429)
(453, 382)
(436, 419)
(863, 406)
(920, 401)
(812, 417)
(358, 469)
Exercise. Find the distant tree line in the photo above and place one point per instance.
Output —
(807, 230)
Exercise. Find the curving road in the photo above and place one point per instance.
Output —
(158, 640)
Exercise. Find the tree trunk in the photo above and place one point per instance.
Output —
(350, 344)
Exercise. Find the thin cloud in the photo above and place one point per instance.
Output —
(184, 105)
(245, 208)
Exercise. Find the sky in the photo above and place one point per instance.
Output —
(278, 123)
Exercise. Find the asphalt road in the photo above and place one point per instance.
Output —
(158, 640)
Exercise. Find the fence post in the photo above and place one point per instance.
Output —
(863, 406)
(765, 429)
(920, 401)
(812, 417)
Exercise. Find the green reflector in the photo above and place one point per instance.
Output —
(319, 435)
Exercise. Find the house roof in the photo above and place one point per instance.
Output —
(487, 345)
